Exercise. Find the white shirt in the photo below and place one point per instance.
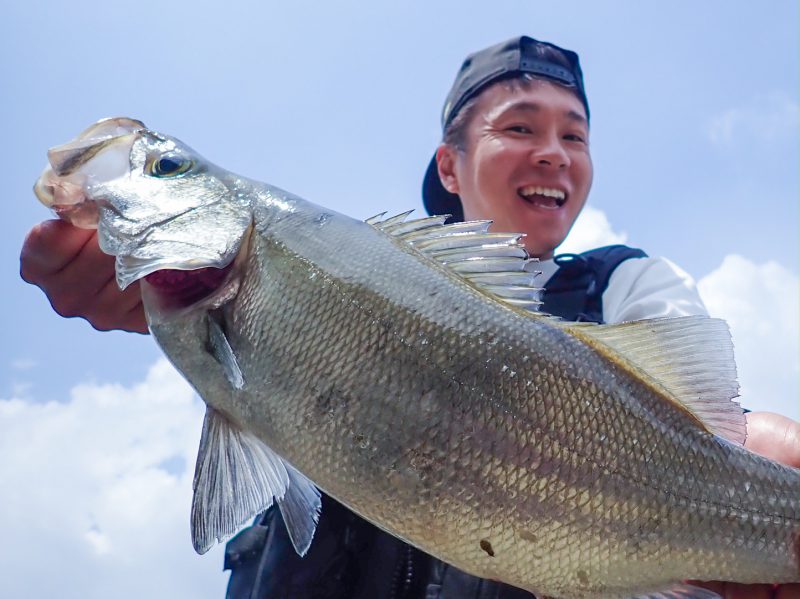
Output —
(643, 288)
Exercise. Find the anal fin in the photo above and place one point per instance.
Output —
(300, 508)
(237, 477)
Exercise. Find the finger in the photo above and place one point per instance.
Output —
(75, 288)
(80, 288)
(67, 264)
(774, 436)
(136, 322)
(111, 309)
(49, 247)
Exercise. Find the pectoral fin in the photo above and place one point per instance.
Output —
(221, 349)
(236, 478)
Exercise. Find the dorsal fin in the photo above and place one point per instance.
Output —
(690, 357)
(494, 262)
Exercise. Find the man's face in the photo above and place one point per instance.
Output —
(526, 162)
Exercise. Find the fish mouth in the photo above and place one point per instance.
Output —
(63, 184)
(172, 291)
(178, 289)
(547, 198)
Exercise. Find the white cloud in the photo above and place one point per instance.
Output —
(761, 302)
(591, 230)
(767, 118)
(93, 503)
(23, 364)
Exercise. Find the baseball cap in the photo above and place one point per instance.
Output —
(507, 59)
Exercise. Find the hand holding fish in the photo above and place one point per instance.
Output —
(774, 436)
(78, 278)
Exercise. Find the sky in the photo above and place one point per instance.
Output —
(695, 143)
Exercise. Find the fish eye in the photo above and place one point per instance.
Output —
(170, 166)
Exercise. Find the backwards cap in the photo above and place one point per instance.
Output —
(508, 59)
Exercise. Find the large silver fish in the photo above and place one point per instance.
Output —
(402, 367)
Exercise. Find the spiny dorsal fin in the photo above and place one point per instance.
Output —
(691, 357)
(495, 262)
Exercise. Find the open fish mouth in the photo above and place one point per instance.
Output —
(179, 289)
(174, 288)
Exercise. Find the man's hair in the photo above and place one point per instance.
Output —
(455, 133)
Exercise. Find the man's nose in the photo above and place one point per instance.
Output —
(550, 153)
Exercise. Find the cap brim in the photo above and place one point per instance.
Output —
(437, 199)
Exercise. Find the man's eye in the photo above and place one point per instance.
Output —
(574, 137)
(518, 129)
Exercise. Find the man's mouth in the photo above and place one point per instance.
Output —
(549, 198)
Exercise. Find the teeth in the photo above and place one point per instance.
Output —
(542, 191)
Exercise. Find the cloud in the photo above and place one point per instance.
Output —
(767, 118)
(761, 302)
(591, 230)
(97, 493)
(23, 364)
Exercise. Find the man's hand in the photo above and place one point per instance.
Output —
(78, 278)
(776, 437)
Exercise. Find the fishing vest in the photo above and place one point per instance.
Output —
(352, 559)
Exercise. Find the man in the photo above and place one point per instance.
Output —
(516, 150)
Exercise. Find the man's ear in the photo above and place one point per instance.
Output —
(446, 156)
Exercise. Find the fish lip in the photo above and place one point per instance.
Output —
(65, 158)
(62, 186)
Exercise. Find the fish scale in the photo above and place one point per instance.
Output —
(571, 460)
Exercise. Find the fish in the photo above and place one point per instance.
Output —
(402, 366)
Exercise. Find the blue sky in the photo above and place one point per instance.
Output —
(694, 138)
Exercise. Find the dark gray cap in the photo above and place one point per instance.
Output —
(508, 59)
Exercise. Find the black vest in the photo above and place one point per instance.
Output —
(352, 559)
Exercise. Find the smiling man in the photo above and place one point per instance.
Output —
(487, 160)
